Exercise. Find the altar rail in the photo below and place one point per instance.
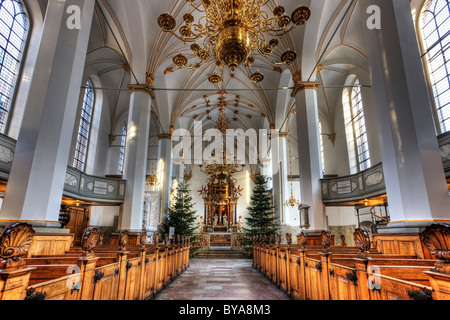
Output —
(356, 273)
(89, 272)
(77, 184)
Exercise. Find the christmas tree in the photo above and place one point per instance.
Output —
(261, 211)
(181, 217)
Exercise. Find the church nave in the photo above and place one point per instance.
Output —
(221, 279)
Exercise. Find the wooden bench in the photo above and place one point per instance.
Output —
(361, 272)
(89, 272)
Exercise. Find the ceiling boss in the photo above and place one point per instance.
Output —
(231, 30)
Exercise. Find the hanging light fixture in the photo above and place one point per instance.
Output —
(291, 202)
(230, 30)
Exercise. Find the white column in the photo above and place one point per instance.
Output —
(310, 165)
(165, 163)
(131, 215)
(36, 180)
(280, 180)
(414, 175)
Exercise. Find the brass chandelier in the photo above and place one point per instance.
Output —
(230, 30)
(221, 168)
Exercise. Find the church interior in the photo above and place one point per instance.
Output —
(109, 107)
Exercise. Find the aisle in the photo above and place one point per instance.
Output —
(221, 279)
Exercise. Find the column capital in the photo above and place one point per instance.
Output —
(142, 88)
(165, 136)
(304, 86)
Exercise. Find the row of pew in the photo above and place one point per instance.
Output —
(91, 271)
(327, 272)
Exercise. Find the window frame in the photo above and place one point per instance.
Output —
(88, 84)
(21, 61)
(122, 150)
(353, 122)
(424, 52)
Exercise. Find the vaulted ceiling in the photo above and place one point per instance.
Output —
(127, 43)
(126, 32)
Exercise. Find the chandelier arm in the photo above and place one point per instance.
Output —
(197, 7)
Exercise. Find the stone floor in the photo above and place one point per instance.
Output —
(221, 279)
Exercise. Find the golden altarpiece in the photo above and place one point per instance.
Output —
(221, 194)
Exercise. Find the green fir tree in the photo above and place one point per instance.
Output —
(181, 216)
(262, 219)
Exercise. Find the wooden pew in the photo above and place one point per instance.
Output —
(362, 273)
(88, 272)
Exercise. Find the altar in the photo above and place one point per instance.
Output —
(221, 192)
(220, 201)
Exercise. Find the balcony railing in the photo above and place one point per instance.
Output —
(77, 184)
(370, 183)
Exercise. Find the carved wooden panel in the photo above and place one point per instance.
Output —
(106, 288)
(133, 279)
(343, 282)
(50, 244)
(402, 244)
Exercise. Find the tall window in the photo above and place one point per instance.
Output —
(84, 129)
(13, 31)
(322, 152)
(355, 128)
(436, 40)
(123, 143)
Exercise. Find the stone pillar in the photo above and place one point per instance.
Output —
(36, 180)
(414, 175)
(131, 215)
(310, 165)
(280, 179)
(165, 161)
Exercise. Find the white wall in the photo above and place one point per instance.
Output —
(104, 216)
(341, 216)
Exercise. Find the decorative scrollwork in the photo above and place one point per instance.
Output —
(166, 239)
(264, 239)
(143, 238)
(90, 239)
(156, 238)
(33, 295)
(352, 277)
(15, 241)
(289, 238)
(278, 238)
(123, 239)
(326, 239)
(302, 239)
(424, 295)
(319, 266)
(362, 241)
(437, 239)
(98, 276)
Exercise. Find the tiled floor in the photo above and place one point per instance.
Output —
(221, 279)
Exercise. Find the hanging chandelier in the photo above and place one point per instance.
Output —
(230, 30)
(220, 167)
(152, 180)
(292, 202)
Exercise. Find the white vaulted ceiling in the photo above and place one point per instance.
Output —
(127, 32)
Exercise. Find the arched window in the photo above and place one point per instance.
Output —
(84, 128)
(13, 32)
(435, 33)
(123, 143)
(355, 128)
